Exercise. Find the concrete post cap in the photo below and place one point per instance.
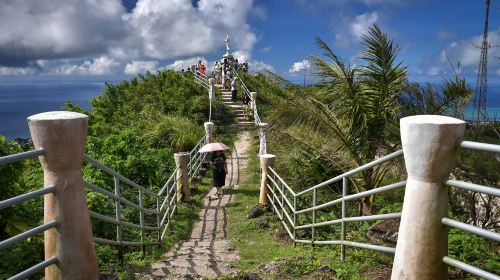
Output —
(267, 156)
(57, 115)
(430, 119)
(181, 158)
(211, 81)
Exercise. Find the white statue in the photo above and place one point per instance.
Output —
(227, 40)
(228, 53)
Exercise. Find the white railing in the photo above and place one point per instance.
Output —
(201, 80)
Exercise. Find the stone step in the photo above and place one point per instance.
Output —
(245, 125)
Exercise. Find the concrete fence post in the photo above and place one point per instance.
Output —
(266, 161)
(183, 190)
(209, 132)
(211, 96)
(430, 145)
(62, 135)
(211, 91)
(253, 98)
(262, 144)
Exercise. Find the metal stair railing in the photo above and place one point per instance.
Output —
(196, 159)
(119, 220)
(284, 202)
(201, 80)
(256, 117)
(34, 231)
(161, 206)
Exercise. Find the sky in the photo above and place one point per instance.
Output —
(125, 37)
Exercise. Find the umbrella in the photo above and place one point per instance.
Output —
(212, 147)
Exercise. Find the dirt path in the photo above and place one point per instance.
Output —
(208, 252)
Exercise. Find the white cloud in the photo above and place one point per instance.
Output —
(242, 56)
(140, 66)
(300, 66)
(351, 31)
(65, 32)
(185, 63)
(435, 71)
(259, 66)
(266, 49)
(53, 29)
(171, 30)
(361, 23)
(17, 70)
(99, 66)
(467, 53)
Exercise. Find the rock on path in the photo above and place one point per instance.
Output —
(208, 252)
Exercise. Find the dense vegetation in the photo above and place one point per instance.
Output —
(349, 117)
(135, 127)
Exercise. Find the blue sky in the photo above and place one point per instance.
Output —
(113, 37)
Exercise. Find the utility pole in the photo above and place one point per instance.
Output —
(479, 113)
(304, 62)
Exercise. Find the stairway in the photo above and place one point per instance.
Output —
(237, 108)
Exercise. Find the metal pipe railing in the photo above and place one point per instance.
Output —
(355, 170)
(34, 269)
(21, 156)
(27, 196)
(27, 234)
(278, 197)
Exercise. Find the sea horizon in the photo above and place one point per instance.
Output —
(21, 97)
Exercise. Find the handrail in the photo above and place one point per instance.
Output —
(118, 198)
(24, 197)
(278, 197)
(21, 156)
(34, 269)
(112, 172)
(485, 147)
(27, 234)
(355, 170)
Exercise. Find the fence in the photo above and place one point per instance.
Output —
(201, 80)
(284, 203)
(261, 126)
(440, 154)
(67, 219)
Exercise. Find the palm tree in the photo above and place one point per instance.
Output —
(354, 111)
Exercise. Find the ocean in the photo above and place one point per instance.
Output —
(23, 96)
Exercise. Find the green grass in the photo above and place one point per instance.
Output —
(258, 246)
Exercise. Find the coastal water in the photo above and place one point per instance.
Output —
(21, 97)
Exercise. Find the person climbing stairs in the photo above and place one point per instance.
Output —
(237, 108)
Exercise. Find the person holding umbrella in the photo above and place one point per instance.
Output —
(219, 170)
(218, 164)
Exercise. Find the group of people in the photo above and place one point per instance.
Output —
(200, 69)
(224, 73)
